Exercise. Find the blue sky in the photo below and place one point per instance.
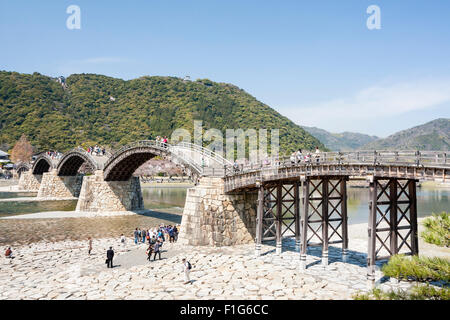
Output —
(315, 62)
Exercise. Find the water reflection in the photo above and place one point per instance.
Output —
(12, 208)
(429, 200)
(9, 195)
(164, 197)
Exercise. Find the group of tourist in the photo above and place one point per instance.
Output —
(295, 158)
(96, 151)
(155, 237)
(54, 154)
(162, 233)
(298, 157)
(161, 139)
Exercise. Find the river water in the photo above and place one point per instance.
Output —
(167, 206)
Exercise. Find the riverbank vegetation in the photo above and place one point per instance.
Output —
(437, 229)
(418, 292)
(417, 268)
(422, 270)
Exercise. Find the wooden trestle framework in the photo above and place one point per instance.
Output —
(314, 211)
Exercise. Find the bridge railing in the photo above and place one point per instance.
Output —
(373, 157)
(203, 160)
(211, 163)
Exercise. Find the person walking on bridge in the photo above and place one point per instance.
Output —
(317, 155)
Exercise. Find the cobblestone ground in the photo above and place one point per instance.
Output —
(63, 270)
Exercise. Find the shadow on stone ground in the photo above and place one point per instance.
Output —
(334, 254)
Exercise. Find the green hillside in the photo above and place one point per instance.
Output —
(345, 141)
(433, 135)
(112, 112)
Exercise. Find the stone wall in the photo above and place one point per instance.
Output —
(54, 186)
(211, 217)
(99, 195)
(29, 181)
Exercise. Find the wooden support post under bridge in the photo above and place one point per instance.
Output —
(392, 225)
(259, 218)
(278, 213)
(324, 213)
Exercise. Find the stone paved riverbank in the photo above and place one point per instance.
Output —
(64, 270)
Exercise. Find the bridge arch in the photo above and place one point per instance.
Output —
(72, 160)
(43, 163)
(22, 167)
(123, 163)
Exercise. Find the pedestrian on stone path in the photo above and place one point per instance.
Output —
(136, 236)
(122, 239)
(156, 249)
(171, 235)
(175, 233)
(149, 252)
(109, 257)
(90, 245)
(8, 253)
(186, 270)
(144, 234)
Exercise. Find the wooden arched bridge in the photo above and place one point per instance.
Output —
(268, 200)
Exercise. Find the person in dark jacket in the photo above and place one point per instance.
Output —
(109, 257)
(156, 250)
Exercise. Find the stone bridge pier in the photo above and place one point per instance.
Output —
(211, 217)
(54, 186)
(96, 194)
(29, 181)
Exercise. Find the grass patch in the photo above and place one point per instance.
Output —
(437, 229)
(418, 292)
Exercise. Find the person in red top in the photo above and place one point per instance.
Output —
(8, 253)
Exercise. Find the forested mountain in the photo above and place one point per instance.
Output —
(345, 141)
(433, 135)
(92, 109)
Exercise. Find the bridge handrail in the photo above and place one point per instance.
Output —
(374, 157)
(172, 149)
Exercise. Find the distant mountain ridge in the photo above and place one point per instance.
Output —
(345, 141)
(433, 135)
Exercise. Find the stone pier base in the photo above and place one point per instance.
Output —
(100, 195)
(29, 181)
(211, 217)
(54, 186)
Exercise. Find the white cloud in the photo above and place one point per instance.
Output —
(378, 101)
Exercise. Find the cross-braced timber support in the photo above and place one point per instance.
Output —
(278, 213)
(324, 213)
(392, 220)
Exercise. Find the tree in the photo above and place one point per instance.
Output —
(22, 150)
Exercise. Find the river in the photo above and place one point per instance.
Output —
(167, 206)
